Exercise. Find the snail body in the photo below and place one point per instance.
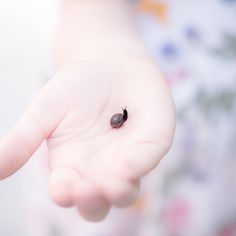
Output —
(118, 119)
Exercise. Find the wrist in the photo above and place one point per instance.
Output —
(96, 28)
(101, 48)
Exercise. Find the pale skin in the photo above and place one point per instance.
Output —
(100, 70)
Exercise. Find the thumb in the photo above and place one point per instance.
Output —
(26, 136)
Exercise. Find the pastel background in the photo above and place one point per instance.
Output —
(193, 191)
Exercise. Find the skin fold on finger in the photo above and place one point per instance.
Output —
(20, 143)
(140, 161)
(90, 201)
(144, 153)
(120, 192)
(61, 186)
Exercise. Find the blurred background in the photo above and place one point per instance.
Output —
(193, 191)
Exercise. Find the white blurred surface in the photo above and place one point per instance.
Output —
(26, 33)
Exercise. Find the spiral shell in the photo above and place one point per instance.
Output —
(117, 120)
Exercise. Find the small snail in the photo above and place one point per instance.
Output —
(119, 119)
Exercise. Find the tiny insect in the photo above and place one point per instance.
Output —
(119, 119)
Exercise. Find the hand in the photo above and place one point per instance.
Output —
(92, 165)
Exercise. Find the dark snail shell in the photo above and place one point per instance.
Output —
(119, 119)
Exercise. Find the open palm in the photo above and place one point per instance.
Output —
(92, 165)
